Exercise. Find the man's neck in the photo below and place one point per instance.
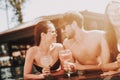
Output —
(80, 34)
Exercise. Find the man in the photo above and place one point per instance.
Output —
(90, 49)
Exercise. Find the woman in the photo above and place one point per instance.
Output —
(45, 45)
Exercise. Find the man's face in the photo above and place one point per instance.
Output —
(68, 31)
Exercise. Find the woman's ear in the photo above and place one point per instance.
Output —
(42, 34)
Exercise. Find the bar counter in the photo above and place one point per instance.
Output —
(85, 76)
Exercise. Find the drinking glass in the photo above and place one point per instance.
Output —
(65, 56)
(46, 61)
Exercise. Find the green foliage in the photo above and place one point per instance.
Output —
(16, 5)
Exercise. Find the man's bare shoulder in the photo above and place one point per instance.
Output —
(97, 33)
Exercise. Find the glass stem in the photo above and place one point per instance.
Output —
(68, 75)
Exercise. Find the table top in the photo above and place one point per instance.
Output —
(85, 76)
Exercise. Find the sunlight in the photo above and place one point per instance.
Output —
(36, 8)
(39, 8)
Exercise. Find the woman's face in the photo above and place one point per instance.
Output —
(51, 34)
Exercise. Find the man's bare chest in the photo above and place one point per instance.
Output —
(86, 53)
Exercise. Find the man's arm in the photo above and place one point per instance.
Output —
(79, 66)
(105, 57)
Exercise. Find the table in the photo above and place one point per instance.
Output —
(88, 76)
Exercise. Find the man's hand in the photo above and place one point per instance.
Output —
(69, 66)
(118, 60)
(109, 73)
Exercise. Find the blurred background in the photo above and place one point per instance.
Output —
(19, 17)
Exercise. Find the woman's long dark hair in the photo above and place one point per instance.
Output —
(41, 27)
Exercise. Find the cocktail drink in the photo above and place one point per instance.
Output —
(65, 56)
(46, 61)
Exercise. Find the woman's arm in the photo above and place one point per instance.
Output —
(28, 66)
(57, 72)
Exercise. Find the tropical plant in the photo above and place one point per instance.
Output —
(16, 6)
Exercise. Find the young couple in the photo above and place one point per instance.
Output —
(89, 49)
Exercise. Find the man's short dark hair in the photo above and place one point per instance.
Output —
(69, 17)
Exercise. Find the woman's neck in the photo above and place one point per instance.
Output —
(44, 46)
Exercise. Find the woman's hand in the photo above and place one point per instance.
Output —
(42, 76)
(46, 71)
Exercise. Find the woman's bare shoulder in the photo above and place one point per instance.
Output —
(32, 50)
